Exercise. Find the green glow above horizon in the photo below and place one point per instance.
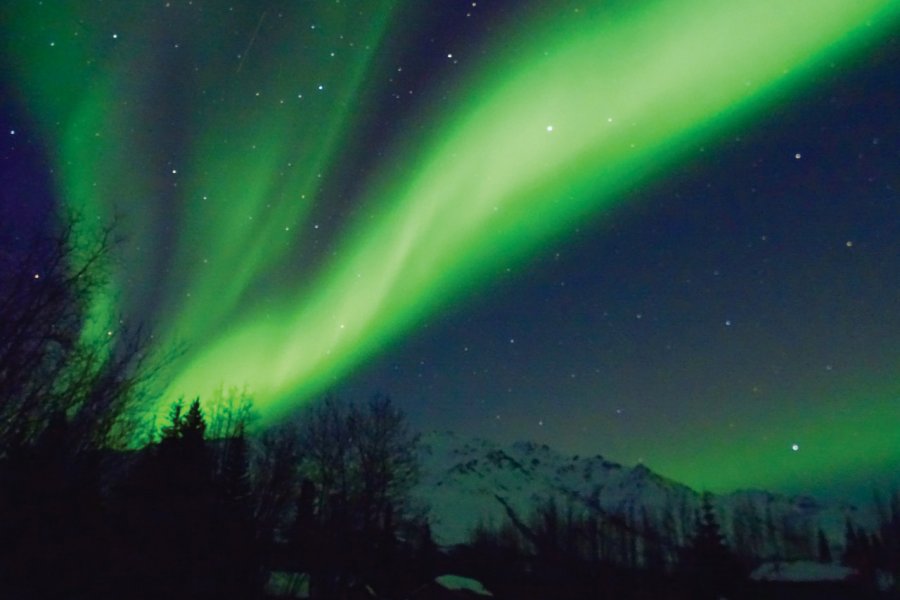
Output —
(845, 439)
(554, 130)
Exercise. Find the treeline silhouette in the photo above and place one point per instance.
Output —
(98, 502)
(679, 552)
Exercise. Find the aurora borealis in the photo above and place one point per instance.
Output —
(335, 196)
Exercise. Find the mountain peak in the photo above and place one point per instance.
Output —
(470, 481)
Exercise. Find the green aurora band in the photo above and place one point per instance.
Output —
(567, 116)
(623, 96)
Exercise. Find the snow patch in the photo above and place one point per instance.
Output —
(458, 582)
(802, 570)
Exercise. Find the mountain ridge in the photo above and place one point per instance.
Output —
(471, 482)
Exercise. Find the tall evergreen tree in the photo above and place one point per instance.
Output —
(654, 558)
(170, 519)
(824, 550)
(748, 533)
(172, 430)
(193, 429)
(712, 567)
(774, 537)
(889, 533)
(236, 535)
(235, 476)
(852, 545)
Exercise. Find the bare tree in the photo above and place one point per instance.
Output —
(274, 480)
(56, 357)
(326, 444)
(360, 458)
(360, 463)
(229, 415)
(384, 450)
(228, 411)
(70, 379)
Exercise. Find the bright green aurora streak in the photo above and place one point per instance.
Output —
(622, 97)
(565, 120)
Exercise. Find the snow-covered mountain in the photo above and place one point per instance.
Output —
(469, 481)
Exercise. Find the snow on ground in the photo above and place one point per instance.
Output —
(457, 582)
(287, 584)
(803, 570)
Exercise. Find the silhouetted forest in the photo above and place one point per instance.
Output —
(97, 501)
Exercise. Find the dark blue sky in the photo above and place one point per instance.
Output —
(760, 278)
(747, 301)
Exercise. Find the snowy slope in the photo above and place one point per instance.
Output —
(802, 571)
(467, 481)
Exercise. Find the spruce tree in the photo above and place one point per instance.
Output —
(194, 427)
(171, 514)
(172, 431)
(239, 555)
(711, 566)
(236, 473)
(852, 546)
(824, 548)
(654, 558)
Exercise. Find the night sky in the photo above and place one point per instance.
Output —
(664, 231)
